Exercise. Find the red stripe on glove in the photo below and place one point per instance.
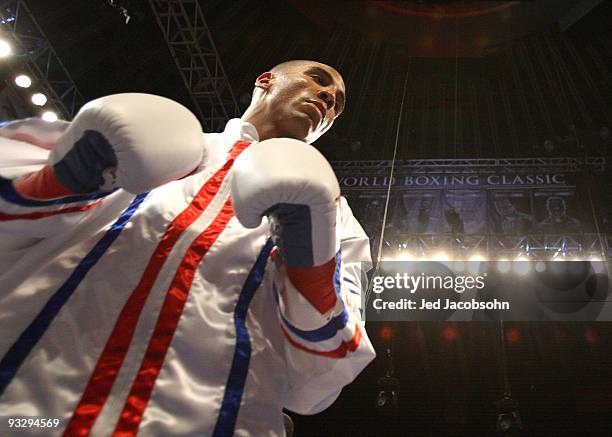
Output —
(316, 284)
(41, 184)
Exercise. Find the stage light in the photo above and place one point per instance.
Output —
(473, 265)
(23, 81)
(49, 116)
(441, 256)
(403, 256)
(503, 266)
(449, 334)
(508, 418)
(477, 257)
(387, 332)
(39, 99)
(5, 49)
(591, 336)
(513, 335)
(387, 400)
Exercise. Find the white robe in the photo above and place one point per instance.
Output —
(160, 314)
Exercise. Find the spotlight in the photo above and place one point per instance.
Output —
(540, 267)
(449, 334)
(473, 265)
(49, 116)
(39, 99)
(513, 335)
(440, 256)
(387, 332)
(590, 336)
(23, 81)
(503, 266)
(8, 19)
(508, 419)
(5, 49)
(387, 400)
(407, 256)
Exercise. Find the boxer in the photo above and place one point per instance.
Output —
(161, 281)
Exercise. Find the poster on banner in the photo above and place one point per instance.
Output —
(510, 212)
(424, 212)
(465, 211)
(557, 212)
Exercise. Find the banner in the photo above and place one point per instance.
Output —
(456, 181)
(554, 203)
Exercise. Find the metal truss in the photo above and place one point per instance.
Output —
(493, 246)
(470, 166)
(193, 49)
(35, 56)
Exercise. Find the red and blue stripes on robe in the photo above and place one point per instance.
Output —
(234, 387)
(98, 389)
(28, 339)
(111, 359)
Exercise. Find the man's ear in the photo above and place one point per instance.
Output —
(263, 81)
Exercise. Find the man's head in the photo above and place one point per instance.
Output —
(504, 207)
(556, 207)
(296, 99)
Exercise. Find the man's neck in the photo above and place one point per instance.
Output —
(258, 117)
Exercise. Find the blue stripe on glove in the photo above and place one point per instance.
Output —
(81, 169)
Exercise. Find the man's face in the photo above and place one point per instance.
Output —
(305, 98)
(504, 207)
(556, 208)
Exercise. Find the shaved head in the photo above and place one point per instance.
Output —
(299, 64)
(296, 99)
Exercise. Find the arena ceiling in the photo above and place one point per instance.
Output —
(483, 78)
(441, 28)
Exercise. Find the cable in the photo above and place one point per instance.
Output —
(384, 221)
(456, 89)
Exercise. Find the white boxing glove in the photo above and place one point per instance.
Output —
(131, 141)
(294, 185)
